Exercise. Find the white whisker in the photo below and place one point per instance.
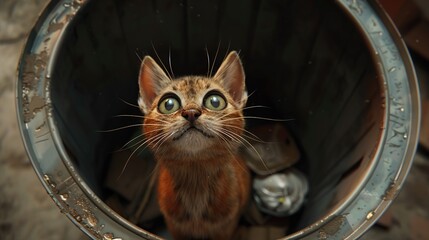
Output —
(130, 141)
(138, 142)
(162, 64)
(247, 133)
(130, 104)
(169, 62)
(208, 62)
(129, 115)
(247, 144)
(138, 56)
(162, 141)
(135, 150)
(120, 128)
(214, 60)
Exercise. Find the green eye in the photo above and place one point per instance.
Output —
(215, 102)
(168, 105)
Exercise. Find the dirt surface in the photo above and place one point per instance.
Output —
(26, 210)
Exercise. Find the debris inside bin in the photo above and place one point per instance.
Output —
(281, 194)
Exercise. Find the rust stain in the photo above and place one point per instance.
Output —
(332, 227)
(391, 192)
(77, 3)
(76, 205)
(90, 220)
(55, 27)
(29, 75)
(34, 67)
(69, 17)
(36, 104)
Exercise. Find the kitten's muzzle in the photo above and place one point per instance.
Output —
(191, 114)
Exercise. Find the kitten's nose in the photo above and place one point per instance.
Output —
(191, 114)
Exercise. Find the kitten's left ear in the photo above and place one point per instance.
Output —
(152, 79)
(231, 75)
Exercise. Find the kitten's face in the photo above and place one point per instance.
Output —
(193, 115)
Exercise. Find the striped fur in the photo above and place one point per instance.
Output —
(203, 183)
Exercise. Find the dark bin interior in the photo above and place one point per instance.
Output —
(305, 60)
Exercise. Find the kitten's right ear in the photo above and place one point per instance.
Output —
(231, 75)
(152, 79)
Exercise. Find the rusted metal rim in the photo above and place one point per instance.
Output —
(41, 138)
(398, 141)
(357, 213)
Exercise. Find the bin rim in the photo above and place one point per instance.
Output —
(80, 204)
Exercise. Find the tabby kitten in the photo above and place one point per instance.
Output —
(194, 127)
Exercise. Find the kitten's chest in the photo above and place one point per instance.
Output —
(195, 203)
(196, 196)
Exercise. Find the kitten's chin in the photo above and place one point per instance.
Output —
(193, 141)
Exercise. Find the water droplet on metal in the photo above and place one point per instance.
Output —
(370, 215)
(354, 5)
(108, 236)
(92, 221)
(46, 178)
(64, 196)
(322, 235)
(402, 109)
(39, 128)
(392, 69)
(405, 136)
(49, 181)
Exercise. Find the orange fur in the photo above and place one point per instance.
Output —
(203, 183)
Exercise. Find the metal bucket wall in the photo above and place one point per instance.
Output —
(334, 67)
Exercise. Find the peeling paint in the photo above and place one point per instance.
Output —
(391, 192)
(77, 207)
(34, 67)
(33, 106)
(55, 27)
(333, 226)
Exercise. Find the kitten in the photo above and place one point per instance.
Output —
(194, 126)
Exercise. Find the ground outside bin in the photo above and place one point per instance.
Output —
(339, 69)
